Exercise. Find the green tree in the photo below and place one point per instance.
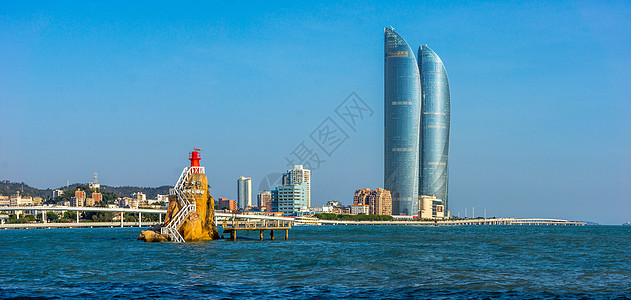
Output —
(51, 216)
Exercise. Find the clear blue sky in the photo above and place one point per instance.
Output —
(540, 99)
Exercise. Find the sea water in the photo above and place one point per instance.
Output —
(383, 262)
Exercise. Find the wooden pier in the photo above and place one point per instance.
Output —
(235, 225)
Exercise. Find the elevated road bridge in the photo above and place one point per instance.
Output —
(228, 216)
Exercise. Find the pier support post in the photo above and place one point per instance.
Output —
(286, 234)
(261, 235)
(233, 235)
(271, 234)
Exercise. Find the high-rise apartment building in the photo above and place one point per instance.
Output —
(435, 121)
(290, 199)
(402, 99)
(417, 111)
(97, 197)
(244, 192)
(298, 175)
(264, 200)
(379, 201)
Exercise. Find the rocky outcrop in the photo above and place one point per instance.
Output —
(199, 225)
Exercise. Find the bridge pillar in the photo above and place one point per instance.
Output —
(43, 217)
(122, 217)
(139, 219)
(78, 216)
(160, 218)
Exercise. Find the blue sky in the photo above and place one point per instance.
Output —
(539, 95)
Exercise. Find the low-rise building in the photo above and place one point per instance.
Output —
(57, 193)
(323, 209)
(4, 200)
(77, 202)
(360, 209)
(431, 208)
(226, 203)
(164, 198)
(140, 196)
(127, 202)
(18, 200)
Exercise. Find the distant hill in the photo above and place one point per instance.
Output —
(8, 188)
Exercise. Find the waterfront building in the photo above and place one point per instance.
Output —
(435, 123)
(264, 200)
(431, 208)
(360, 209)
(244, 192)
(89, 202)
(402, 100)
(290, 199)
(361, 196)
(323, 209)
(298, 175)
(37, 201)
(229, 204)
(379, 201)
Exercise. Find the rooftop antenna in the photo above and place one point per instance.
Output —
(391, 28)
(96, 178)
(67, 184)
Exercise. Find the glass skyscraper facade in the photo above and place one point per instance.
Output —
(435, 117)
(416, 127)
(402, 95)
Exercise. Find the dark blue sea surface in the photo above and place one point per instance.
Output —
(384, 262)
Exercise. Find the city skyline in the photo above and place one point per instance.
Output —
(541, 125)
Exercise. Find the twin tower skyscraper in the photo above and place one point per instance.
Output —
(417, 115)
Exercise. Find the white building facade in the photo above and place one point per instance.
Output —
(244, 192)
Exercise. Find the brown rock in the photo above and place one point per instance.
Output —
(199, 225)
